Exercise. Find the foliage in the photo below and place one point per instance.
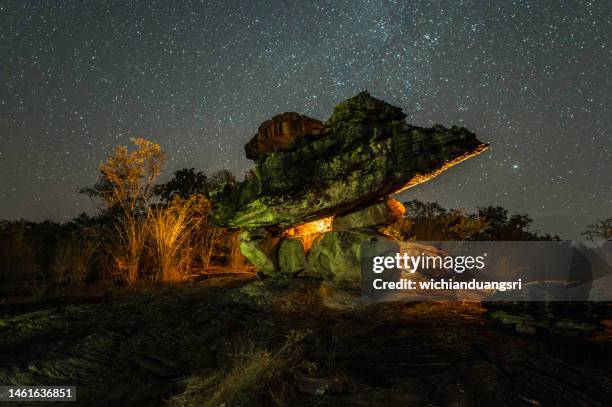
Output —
(144, 232)
(504, 227)
(128, 178)
(188, 181)
(184, 183)
(222, 177)
(431, 221)
(66, 254)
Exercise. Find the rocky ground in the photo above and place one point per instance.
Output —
(296, 342)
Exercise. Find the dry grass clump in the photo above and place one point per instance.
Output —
(169, 232)
(157, 246)
(129, 254)
(251, 371)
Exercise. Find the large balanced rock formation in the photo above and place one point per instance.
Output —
(312, 179)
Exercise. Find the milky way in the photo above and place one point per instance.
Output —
(534, 79)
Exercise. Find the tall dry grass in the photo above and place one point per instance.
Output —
(162, 245)
(72, 260)
(17, 256)
(169, 231)
(236, 260)
(129, 253)
(207, 239)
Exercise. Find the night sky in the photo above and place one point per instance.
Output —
(532, 78)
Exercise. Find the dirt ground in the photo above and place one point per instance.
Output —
(146, 348)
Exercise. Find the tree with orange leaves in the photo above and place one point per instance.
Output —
(127, 179)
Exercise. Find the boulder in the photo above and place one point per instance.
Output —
(291, 256)
(365, 152)
(280, 132)
(384, 212)
(261, 251)
(336, 255)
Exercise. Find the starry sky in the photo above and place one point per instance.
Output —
(533, 78)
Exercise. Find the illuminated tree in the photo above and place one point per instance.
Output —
(128, 177)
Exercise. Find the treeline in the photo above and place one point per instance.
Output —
(429, 221)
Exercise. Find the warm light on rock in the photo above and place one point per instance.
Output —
(308, 231)
(421, 178)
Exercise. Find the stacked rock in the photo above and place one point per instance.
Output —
(319, 190)
(329, 248)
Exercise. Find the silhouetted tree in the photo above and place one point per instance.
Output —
(502, 227)
(600, 230)
(431, 221)
(186, 182)
(222, 177)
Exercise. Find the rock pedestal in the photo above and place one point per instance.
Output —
(261, 251)
(308, 173)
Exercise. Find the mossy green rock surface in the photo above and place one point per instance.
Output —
(366, 151)
(262, 252)
(379, 213)
(291, 256)
(336, 255)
